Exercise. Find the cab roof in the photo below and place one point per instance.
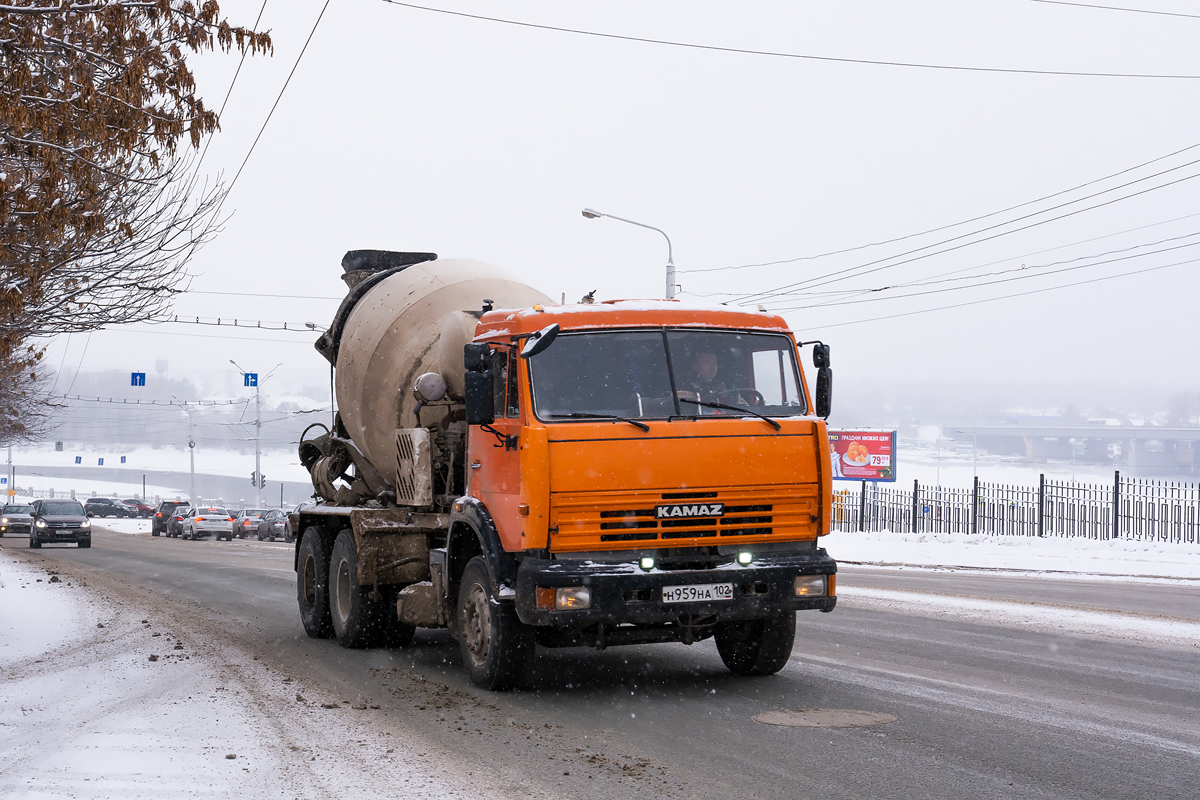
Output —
(623, 314)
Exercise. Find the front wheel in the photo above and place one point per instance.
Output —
(34, 544)
(84, 543)
(497, 648)
(757, 646)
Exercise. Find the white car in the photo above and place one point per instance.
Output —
(204, 520)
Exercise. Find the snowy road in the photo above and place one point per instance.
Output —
(1000, 685)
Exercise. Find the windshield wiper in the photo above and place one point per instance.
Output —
(589, 415)
(731, 408)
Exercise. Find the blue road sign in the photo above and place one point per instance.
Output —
(137, 379)
(3, 480)
(122, 459)
(252, 379)
(78, 459)
(100, 462)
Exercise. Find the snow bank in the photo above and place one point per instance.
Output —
(1115, 557)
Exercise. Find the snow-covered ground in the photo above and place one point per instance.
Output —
(105, 696)
(1117, 557)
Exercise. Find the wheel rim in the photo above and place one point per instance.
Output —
(310, 583)
(341, 590)
(477, 624)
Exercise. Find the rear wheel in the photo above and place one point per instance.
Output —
(497, 648)
(357, 618)
(757, 646)
(312, 584)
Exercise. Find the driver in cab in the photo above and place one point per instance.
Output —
(703, 383)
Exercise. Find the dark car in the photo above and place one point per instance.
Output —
(175, 522)
(59, 521)
(275, 524)
(107, 507)
(140, 509)
(162, 516)
(15, 519)
(245, 522)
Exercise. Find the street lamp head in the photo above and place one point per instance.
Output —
(592, 214)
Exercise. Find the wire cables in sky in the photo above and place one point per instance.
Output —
(800, 56)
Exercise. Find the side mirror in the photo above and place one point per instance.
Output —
(476, 356)
(91, 513)
(824, 391)
(820, 355)
(480, 400)
(539, 341)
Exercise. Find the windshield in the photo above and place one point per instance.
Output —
(17, 510)
(62, 507)
(659, 374)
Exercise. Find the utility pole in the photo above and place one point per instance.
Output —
(12, 476)
(258, 476)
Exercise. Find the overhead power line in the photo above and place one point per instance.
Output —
(1003, 297)
(960, 223)
(879, 265)
(802, 56)
(1118, 8)
(275, 105)
(229, 91)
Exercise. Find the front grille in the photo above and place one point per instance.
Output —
(583, 521)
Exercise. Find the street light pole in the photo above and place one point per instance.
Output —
(191, 449)
(593, 214)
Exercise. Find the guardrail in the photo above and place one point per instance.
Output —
(1129, 508)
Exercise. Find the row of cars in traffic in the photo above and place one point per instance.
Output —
(69, 521)
(181, 519)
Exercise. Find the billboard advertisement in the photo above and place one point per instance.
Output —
(863, 455)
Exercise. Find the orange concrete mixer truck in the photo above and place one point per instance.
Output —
(529, 474)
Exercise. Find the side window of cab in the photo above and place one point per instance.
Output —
(504, 383)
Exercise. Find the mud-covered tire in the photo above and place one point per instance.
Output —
(497, 648)
(358, 620)
(83, 545)
(312, 584)
(757, 646)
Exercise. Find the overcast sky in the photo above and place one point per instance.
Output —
(405, 129)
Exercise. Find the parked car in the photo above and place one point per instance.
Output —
(162, 516)
(175, 523)
(200, 521)
(275, 524)
(59, 521)
(107, 507)
(140, 509)
(15, 519)
(245, 522)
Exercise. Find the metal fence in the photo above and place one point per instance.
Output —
(1128, 508)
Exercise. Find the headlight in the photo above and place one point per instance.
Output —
(3, 520)
(810, 586)
(87, 523)
(572, 597)
(41, 523)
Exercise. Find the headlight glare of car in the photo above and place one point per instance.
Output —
(87, 523)
(3, 520)
(41, 523)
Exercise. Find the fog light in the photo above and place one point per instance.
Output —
(745, 558)
(545, 597)
(572, 597)
(810, 585)
(647, 563)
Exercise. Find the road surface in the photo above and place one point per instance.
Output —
(995, 685)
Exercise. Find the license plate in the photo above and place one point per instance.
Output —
(698, 593)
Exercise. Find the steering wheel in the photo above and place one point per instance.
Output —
(752, 397)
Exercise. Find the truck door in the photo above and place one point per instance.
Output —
(494, 462)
